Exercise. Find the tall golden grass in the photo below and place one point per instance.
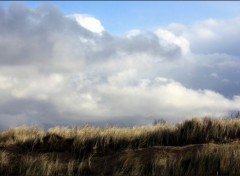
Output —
(85, 143)
(92, 140)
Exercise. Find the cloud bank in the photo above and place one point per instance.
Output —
(66, 69)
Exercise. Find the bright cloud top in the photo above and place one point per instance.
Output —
(88, 22)
(66, 69)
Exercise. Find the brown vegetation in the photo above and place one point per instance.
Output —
(194, 147)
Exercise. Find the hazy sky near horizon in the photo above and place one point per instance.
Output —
(126, 63)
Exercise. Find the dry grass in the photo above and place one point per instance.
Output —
(83, 151)
(42, 165)
(91, 140)
(20, 135)
(210, 160)
(4, 162)
(47, 166)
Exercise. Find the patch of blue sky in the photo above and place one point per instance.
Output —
(118, 17)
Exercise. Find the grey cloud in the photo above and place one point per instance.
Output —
(25, 32)
(109, 46)
(215, 36)
(197, 75)
(17, 112)
(149, 42)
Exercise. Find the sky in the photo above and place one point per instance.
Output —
(117, 63)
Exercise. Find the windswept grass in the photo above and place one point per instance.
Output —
(189, 148)
(4, 162)
(210, 160)
(48, 166)
(206, 130)
(20, 135)
(94, 140)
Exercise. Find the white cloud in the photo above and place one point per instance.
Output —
(167, 37)
(90, 23)
(133, 33)
(36, 86)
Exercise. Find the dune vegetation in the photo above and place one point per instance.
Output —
(195, 147)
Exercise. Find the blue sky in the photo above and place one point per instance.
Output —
(86, 64)
(121, 16)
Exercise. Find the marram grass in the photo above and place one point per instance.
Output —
(195, 147)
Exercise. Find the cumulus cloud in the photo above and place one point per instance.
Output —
(215, 36)
(90, 23)
(169, 38)
(66, 69)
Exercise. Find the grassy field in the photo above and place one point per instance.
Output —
(195, 147)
